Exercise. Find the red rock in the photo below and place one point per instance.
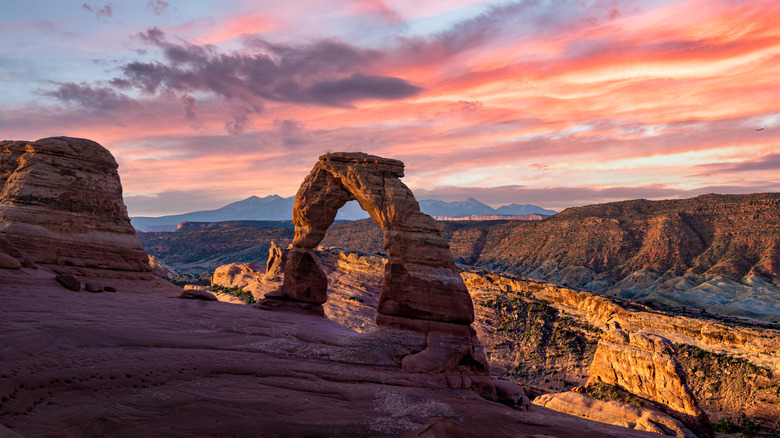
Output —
(645, 364)
(8, 262)
(197, 294)
(61, 205)
(92, 287)
(277, 259)
(69, 282)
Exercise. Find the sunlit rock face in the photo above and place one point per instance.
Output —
(645, 364)
(61, 207)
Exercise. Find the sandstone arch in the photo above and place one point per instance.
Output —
(422, 289)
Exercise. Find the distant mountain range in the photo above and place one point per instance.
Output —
(276, 208)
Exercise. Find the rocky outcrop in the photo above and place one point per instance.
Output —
(643, 364)
(421, 290)
(613, 412)
(61, 207)
(247, 276)
(277, 259)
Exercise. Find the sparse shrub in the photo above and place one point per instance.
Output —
(357, 299)
(749, 428)
(237, 292)
(725, 426)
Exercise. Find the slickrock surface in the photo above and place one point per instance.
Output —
(421, 288)
(130, 364)
(61, 208)
(611, 412)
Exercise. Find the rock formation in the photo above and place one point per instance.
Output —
(612, 412)
(61, 208)
(246, 276)
(645, 365)
(421, 290)
(277, 258)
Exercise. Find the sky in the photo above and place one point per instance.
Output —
(553, 103)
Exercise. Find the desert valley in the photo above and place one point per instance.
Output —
(633, 318)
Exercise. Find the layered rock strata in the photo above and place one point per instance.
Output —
(61, 208)
(421, 289)
(645, 364)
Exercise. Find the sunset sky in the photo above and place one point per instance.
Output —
(554, 103)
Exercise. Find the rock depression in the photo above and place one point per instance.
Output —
(61, 209)
(421, 289)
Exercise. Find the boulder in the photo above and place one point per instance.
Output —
(61, 203)
(69, 281)
(247, 276)
(642, 364)
(8, 262)
(92, 287)
(197, 294)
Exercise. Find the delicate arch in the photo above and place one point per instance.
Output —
(421, 280)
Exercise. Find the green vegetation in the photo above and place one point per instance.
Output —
(725, 426)
(747, 428)
(607, 392)
(545, 342)
(358, 299)
(237, 292)
(724, 385)
(720, 361)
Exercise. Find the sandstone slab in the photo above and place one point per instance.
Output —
(617, 413)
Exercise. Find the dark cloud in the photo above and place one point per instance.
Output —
(769, 162)
(497, 22)
(190, 106)
(88, 96)
(325, 73)
(241, 119)
(105, 11)
(292, 132)
(359, 87)
(157, 6)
